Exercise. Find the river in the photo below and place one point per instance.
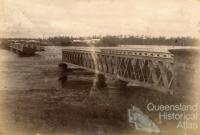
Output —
(33, 101)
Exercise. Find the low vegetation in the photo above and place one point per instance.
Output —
(112, 41)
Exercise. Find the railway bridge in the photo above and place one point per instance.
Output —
(25, 47)
(167, 72)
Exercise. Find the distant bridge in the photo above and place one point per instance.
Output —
(25, 48)
(153, 70)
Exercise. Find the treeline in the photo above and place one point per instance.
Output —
(126, 40)
(60, 40)
(139, 40)
(113, 41)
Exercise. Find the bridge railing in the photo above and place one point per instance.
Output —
(138, 53)
(154, 72)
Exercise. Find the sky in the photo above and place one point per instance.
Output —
(43, 18)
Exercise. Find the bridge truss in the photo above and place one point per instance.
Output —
(152, 70)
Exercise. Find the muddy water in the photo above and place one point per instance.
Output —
(22, 73)
(33, 101)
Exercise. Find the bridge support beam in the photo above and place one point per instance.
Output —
(185, 67)
(63, 76)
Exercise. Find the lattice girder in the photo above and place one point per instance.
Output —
(156, 73)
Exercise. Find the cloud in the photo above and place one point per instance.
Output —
(88, 17)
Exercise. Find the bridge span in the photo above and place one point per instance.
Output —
(25, 47)
(154, 70)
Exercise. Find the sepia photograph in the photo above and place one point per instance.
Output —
(99, 67)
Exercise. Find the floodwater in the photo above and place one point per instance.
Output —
(21, 73)
(34, 102)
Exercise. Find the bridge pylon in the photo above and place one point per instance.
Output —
(98, 85)
(63, 76)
